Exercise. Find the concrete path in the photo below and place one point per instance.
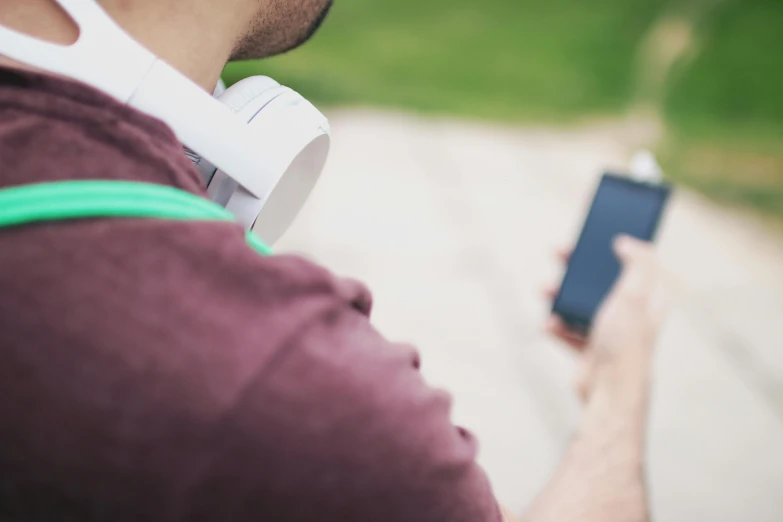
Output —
(452, 226)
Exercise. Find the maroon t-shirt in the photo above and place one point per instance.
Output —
(163, 371)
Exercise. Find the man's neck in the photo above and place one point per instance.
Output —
(194, 36)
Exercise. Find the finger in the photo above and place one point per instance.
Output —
(639, 272)
(550, 291)
(563, 254)
(558, 328)
(629, 249)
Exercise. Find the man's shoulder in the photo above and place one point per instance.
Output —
(172, 353)
(190, 293)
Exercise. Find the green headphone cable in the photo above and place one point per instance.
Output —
(66, 200)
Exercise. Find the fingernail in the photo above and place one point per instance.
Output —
(619, 245)
(623, 244)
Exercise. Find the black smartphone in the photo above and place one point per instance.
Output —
(621, 205)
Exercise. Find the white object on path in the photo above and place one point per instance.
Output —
(644, 167)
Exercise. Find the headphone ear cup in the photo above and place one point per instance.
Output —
(295, 143)
(250, 94)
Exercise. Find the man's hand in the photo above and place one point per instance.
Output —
(625, 326)
(601, 478)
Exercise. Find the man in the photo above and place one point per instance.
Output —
(156, 370)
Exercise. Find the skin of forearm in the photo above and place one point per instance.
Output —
(601, 478)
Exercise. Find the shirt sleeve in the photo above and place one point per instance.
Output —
(341, 426)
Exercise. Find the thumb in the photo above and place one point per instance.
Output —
(628, 248)
(638, 265)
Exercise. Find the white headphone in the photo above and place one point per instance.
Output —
(259, 146)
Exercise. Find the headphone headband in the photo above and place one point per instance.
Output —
(87, 59)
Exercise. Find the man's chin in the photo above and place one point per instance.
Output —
(254, 48)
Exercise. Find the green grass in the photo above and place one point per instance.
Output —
(499, 59)
(725, 108)
(564, 60)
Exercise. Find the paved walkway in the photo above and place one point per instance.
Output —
(452, 226)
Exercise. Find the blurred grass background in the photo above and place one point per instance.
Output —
(712, 70)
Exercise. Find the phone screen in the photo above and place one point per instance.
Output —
(620, 206)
